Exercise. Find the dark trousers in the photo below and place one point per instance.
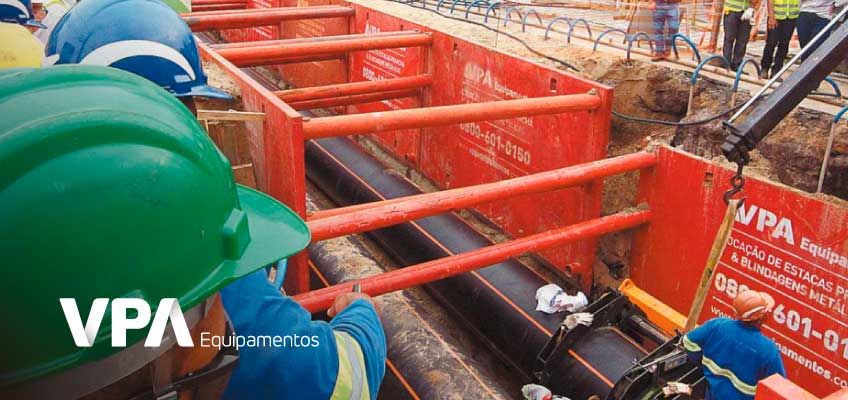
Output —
(809, 25)
(736, 33)
(666, 20)
(778, 38)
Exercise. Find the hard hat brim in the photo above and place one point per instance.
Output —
(35, 24)
(276, 232)
(769, 300)
(206, 91)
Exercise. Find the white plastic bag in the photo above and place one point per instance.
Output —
(552, 299)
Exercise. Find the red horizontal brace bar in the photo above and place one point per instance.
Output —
(195, 3)
(366, 217)
(316, 57)
(262, 17)
(200, 13)
(219, 7)
(275, 54)
(248, 11)
(431, 271)
(356, 124)
(237, 45)
(348, 89)
(355, 99)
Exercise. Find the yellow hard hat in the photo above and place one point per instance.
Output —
(18, 48)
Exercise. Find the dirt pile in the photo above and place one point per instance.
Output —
(658, 91)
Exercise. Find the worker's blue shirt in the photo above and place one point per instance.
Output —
(344, 358)
(735, 357)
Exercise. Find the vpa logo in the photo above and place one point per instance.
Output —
(169, 309)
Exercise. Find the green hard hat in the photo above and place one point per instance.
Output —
(109, 188)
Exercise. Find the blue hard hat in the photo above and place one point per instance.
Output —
(19, 12)
(145, 37)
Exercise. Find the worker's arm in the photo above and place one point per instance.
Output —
(319, 360)
(774, 366)
(772, 21)
(695, 339)
(361, 322)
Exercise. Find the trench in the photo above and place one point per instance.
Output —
(641, 89)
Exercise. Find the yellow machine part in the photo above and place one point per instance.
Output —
(663, 316)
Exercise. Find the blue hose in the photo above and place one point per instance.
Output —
(527, 14)
(601, 36)
(473, 3)
(634, 38)
(508, 12)
(697, 72)
(688, 41)
(553, 21)
(838, 93)
(574, 23)
(491, 8)
(740, 71)
(280, 277)
(453, 6)
(840, 114)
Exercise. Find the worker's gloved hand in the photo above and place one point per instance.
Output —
(673, 388)
(573, 320)
(344, 300)
(748, 15)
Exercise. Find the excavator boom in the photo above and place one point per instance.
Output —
(744, 136)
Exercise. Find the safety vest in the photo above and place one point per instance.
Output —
(717, 370)
(736, 5)
(352, 381)
(786, 9)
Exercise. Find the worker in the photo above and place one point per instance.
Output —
(152, 41)
(738, 18)
(782, 16)
(55, 10)
(18, 48)
(666, 23)
(813, 17)
(119, 193)
(734, 352)
(18, 12)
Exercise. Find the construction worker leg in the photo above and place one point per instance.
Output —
(809, 24)
(805, 28)
(785, 30)
(817, 25)
(659, 23)
(673, 24)
(731, 27)
(741, 44)
(772, 36)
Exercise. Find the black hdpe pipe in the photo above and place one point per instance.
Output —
(497, 302)
(421, 368)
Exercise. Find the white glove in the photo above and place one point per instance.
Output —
(573, 320)
(676, 388)
(748, 15)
